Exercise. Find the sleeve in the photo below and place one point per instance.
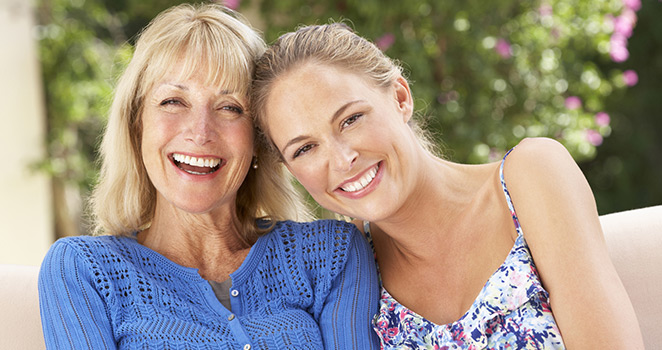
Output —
(73, 313)
(350, 306)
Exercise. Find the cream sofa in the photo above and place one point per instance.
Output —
(634, 239)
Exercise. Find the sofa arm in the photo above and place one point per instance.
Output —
(20, 323)
(634, 241)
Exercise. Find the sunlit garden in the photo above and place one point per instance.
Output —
(484, 75)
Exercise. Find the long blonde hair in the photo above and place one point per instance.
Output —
(206, 37)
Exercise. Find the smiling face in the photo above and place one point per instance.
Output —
(346, 140)
(197, 142)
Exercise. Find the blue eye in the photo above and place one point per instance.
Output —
(169, 101)
(302, 150)
(351, 120)
(234, 109)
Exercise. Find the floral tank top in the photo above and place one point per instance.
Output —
(512, 311)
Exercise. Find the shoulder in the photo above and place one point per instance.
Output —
(318, 230)
(316, 241)
(94, 253)
(551, 196)
(90, 246)
(538, 156)
(542, 169)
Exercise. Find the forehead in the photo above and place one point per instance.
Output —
(316, 90)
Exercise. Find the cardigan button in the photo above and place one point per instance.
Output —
(247, 347)
(234, 292)
(231, 317)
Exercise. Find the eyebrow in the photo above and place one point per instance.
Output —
(185, 88)
(335, 116)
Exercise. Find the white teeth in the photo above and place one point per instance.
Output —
(199, 162)
(361, 183)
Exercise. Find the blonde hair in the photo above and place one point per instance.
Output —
(208, 38)
(335, 45)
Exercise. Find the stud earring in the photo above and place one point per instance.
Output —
(255, 162)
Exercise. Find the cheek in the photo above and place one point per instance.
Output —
(312, 178)
(240, 137)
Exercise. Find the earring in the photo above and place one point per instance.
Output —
(254, 162)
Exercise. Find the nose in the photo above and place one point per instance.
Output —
(201, 127)
(344, 156)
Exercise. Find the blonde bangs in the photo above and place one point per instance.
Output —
(193, 48)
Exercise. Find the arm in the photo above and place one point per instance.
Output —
(346, 318)
(73, 314)
(560, 222)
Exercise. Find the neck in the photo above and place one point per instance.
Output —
(430, 219)
(210, 242)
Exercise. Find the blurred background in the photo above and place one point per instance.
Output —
(484, 74)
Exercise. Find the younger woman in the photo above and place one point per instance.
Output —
(460, 267)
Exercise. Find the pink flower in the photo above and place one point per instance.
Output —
(385, 41)
(618, 48)
(602, 119)
(232, 4)
(545, 10)
(502, 47)
(573, 102)
(630, 77)
(633, 5)
(594, 137)
(624, 23)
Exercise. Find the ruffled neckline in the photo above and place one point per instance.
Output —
(518, 273)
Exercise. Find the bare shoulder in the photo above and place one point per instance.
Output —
(547, 187)
(539, 156)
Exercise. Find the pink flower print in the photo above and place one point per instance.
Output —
(390, 333)
(594, 137)
(573, 102)
(630, 77)
(502, 47)
(382, 324)
(602, 119)
(385, 41)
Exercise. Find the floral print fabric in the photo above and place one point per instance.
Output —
(512, 311)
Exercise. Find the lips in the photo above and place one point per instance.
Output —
(196, 165)
(365, 180)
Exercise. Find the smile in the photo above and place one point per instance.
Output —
(361, 183)
(196, 165)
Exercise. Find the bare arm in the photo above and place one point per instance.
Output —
(560, 222)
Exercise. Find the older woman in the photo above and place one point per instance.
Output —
(461, 269)
(194, 255)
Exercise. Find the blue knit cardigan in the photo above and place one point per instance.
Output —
(302, 286)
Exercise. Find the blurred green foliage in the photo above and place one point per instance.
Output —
(487, 73)
(484, 75)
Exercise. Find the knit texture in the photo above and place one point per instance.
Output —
(302, 286)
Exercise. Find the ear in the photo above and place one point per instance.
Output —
(405, 102)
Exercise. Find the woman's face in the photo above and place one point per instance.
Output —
(197, 142)
(344, 139)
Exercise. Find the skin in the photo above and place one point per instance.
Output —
(432, 217)
(195, 222)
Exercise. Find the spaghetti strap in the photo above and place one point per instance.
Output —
(507, 194)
